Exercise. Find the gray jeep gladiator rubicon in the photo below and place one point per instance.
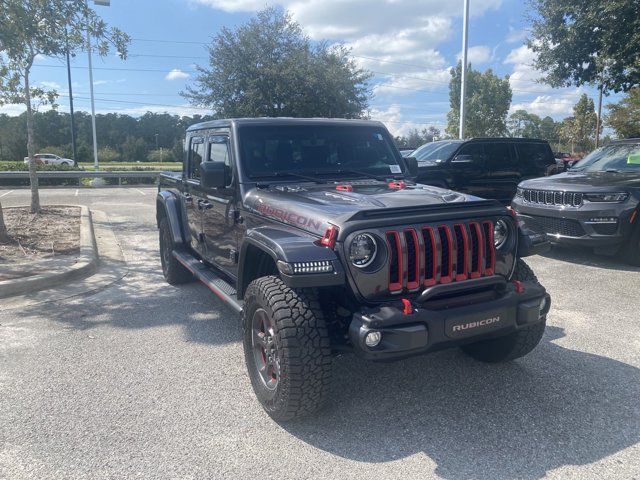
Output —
(314, 232)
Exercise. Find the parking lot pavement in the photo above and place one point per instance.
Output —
(145, 380)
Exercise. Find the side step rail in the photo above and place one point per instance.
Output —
(223, 290)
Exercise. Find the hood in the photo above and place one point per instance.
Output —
(312, 207)
(585, 181)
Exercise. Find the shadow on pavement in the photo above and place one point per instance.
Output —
(555, 407)
(585, 256)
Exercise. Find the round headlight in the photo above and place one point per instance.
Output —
(362, 250)
(500, 233)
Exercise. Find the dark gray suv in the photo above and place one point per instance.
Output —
(594, 204)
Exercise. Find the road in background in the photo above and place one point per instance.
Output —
(147, 380)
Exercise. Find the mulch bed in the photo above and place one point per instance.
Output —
(53, 233)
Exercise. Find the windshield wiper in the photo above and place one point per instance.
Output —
(289, 174)
(342, 171)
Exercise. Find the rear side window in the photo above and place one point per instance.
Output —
(196, 154)
(475, 150)
(535, 153)
(499, 155)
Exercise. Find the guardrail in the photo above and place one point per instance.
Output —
(79, 175)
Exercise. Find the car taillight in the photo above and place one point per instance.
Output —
(330, 236)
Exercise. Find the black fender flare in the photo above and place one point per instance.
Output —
(287, 246)
(169, 206)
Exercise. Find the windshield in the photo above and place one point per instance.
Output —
(316, 150)
(621, 157)
(435, 151)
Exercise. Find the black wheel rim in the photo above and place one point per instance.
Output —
(265, 352)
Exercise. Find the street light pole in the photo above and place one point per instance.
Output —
(463, 79)
(96, 166)
(599, 119)
(73, 121)
(93, 105)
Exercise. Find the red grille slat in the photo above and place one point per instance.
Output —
(462, 252)
(446, 254)
(413, 259)
(430, 259)
(477, 250)
(429, 255)
(395, 261)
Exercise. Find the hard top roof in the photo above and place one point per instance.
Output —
(283, 121)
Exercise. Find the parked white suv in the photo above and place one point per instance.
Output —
(50, 159)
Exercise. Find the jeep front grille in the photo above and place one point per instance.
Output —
(552, 197)
(430, 255)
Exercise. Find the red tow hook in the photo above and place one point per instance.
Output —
(519, 286)
(397, 185)
(407, 309)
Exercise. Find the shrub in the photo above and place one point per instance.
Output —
(161, 155)
(108, 154)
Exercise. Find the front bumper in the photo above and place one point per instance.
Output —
(576, 225)
(427, 329)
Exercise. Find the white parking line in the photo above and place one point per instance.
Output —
(140, 192)
(76, 194)
(6, 193)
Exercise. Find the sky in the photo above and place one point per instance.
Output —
(409, 45)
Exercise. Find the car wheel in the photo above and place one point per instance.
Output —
(287, 349)
(516, 344)
(174, 272)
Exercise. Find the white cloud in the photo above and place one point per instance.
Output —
(396, 39)
(50, 85)
(106, 82)
(396, 122)
(349, 19)
(557, 106)
(533, 96)
(516, 36)
(478, 54)
(176, 74)
(524, 77)
(13, 110)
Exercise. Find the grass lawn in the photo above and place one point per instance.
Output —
(172, 166)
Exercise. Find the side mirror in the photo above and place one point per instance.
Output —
(412, 165)
(463, 159)
(213, 175)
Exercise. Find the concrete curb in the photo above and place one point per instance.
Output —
(86, 263)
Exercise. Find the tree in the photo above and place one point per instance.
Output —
(487, 103)
(524, 124)
(579, 129)
(581, 42)
(548, 129)
(29, 28)
(415, 138)
(268, 67)
(624, 116)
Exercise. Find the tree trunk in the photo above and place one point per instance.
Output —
(4, 235)
(33, 176)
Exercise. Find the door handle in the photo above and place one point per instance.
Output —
(204, 204)
(188, 198)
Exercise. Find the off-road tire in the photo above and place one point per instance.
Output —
(631, 251)
(302, 348)
(516, 344)
(174, 272)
